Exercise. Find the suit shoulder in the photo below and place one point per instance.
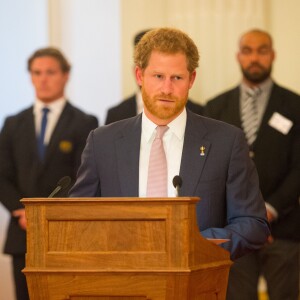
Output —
(123, 110)
(194, 107)
(80, 114)
(223, 97)
(119, 127)
(215, 129)
(19, 117)
(21, 114)
(215, 106)
(289, 102)
(286, 94)
(220, 125)
(123, 104)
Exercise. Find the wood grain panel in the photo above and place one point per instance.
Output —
(107, 236)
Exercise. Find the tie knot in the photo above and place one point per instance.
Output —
(160, 131)
(253, 92)
(45, 110)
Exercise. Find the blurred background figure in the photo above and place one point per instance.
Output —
(270, 117)
(39, 146)
(133, 105)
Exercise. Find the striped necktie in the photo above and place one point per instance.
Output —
(249, 115)
(157, 185)
(41, 137)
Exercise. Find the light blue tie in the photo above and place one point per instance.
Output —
(41, 137)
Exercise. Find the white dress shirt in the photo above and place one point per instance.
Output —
(173, 144)
(56, 107)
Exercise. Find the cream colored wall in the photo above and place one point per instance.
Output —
(216, 26)
(23, 27)
(136, 16)
(88, 32)
(285, 28)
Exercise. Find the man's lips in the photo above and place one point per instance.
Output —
(257, 67)
(165, 99)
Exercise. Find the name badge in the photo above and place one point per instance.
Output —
(280, 123)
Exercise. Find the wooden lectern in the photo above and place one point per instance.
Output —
(120, 249)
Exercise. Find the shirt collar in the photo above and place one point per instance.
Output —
(265, 86)
(177, 126)
(54, 106)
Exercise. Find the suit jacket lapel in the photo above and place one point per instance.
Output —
(128, 153)
(192, 162)
(234, 108)
(29, 135)
(62, 124)
(228, 109)
(272, 106)
(28, 140)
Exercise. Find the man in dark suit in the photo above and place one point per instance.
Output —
(211, 157)
(275, 152)
(32, 169)
(133, 105)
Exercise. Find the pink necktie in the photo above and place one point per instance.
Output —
(157, 185)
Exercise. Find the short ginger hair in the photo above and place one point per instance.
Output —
(166, 40)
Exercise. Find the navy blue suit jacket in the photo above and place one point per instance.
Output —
(225, 178)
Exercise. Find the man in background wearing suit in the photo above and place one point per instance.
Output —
(31, 164)
(211, 157)
(275, 149)
(133, 105)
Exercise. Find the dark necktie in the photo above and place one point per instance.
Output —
(41, 137)
(249, 115)
(157, 185)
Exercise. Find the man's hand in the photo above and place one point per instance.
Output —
(20, 213)
(270, 216)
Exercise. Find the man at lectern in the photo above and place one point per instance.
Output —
(139, 157)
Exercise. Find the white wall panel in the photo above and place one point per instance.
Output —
(23, 28)
(285, 28)
(88, 32)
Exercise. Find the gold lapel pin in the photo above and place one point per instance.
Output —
(65, 146)
(202, 151)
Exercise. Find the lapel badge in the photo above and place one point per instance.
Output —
(65, 146)
(202, 151)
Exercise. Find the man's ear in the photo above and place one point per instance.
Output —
(138, 75)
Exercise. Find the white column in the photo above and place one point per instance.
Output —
(88, 32)
(23, 29)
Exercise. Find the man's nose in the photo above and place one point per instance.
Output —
(254, 56)
(167, 87)
(43, 76)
